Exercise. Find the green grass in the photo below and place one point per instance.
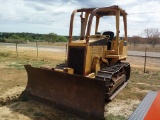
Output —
(16, 105)
(24, 99)
(16, 65)
(5, 54)
(30, 109)
(144, 87)
(113, 117)
(134, 95)
(151, 78)
(135, 90)
(139, 84)
(19, 64)
(39, 114)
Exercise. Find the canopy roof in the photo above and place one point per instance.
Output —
(104, 11)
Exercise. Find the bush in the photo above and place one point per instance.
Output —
(3, 40)
(15, 41)
(39, 114)
(61, 39)
(5, 54)
(113, 117)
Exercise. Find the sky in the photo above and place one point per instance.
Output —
(46, 16)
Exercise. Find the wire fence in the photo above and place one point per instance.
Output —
(35, 51)
(144, 59)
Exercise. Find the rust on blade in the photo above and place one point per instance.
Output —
(82, 94)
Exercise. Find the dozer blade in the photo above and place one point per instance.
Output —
(82, 95)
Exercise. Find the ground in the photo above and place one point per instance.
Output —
(13, 79)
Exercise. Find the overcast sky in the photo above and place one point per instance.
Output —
(45, 16)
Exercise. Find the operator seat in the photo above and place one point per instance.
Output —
(111, 34)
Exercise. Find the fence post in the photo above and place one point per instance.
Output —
(37, 48)
(66, 52)
(17, 50)
(145, 60)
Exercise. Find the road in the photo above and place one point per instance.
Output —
(63, 49)
(141, 53)
(33, 47)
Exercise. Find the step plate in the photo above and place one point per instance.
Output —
(144, 106)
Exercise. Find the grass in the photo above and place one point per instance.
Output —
(142, 47)
(39, 114)
(134, 107)
(5, 54)
(136, 89)
(139, 84)
(151, 78)
(134, 95)
(9, 59)
(16, 65)
(31, 55)
(113, 117)
(50, 44)
(19, 64)
(30, 109)
(24, 99)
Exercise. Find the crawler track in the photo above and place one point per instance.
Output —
(116, 77)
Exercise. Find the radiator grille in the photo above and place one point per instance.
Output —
(76, 59)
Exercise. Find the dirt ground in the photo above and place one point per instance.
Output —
(13, 80)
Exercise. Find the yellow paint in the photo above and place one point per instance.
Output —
(94, 54)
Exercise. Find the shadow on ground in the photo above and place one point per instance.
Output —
(25, 109)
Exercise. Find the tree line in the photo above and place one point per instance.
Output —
(31, 37)
(151, 36)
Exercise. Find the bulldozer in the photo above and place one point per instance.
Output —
(93, 72)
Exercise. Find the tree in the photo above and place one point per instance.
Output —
(32, 37)
(15, 39)
(152, 35)
(135, 40)
(61, 39)
(14, 36)
(51, 37)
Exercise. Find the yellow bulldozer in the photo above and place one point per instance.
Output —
(93, 72)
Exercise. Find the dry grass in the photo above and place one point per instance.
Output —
(139, 47)
(13, 79)
(129, 98)
(49, 44)
(142, 47)
(28, 54)
(31, 110)
(140, 83)
(152, 64)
